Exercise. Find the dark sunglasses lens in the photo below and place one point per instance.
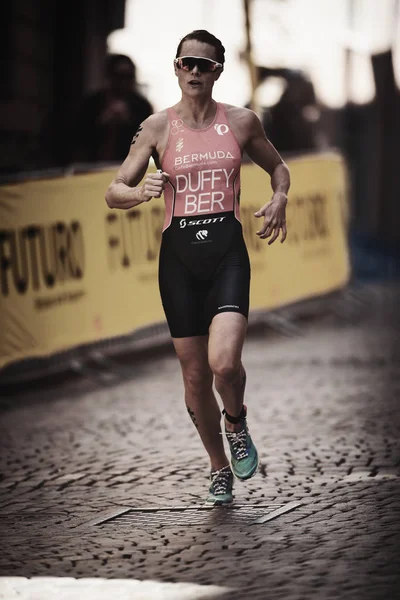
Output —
(203, 65)
(206, 65)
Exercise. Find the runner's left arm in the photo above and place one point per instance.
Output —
(265, 155)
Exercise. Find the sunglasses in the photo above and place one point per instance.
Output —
(204, 65)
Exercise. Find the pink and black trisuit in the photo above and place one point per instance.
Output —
(204, 266)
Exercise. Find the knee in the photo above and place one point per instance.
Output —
(196, 377)
(225, 369)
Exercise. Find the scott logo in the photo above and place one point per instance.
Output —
(221, 129)
(184, 222)
(202, 234)
(179, 145)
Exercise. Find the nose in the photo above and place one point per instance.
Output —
(196, 69)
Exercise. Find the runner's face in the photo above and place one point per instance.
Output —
(194, 83)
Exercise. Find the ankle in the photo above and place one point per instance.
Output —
(233, 427)
(234, 423)
(218, 465)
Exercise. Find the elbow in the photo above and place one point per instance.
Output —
(282, 164)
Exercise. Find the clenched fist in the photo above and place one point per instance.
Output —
(153, 185)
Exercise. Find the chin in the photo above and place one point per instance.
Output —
(195, 91)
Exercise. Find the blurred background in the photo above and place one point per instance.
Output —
(90, 410)
(320, 75)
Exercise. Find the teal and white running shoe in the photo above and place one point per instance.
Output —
(220, 491)
(244, 455)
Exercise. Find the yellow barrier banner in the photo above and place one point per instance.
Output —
(75, 272)
(314, 259)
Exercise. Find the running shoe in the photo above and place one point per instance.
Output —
(244, 455)
(220, 491)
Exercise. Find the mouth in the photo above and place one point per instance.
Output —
(194, 83)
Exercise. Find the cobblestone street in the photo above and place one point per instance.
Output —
(80, 452)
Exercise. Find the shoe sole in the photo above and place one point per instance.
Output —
(218, 503)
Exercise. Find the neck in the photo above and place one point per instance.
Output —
(196, 111)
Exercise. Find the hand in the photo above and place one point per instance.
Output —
(274, 213)
(154, 185)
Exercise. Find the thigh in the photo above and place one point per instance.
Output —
(182, 297)
(230, 289)
(226, 339)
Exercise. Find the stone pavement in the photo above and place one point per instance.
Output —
(324, 411)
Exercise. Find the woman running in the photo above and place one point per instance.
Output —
(204, 270)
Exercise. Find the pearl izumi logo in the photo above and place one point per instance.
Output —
(201, 237)
(185, 223)
(202, 234)
(221, 129)
(179, 145)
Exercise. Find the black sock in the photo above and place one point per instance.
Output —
(235, 420)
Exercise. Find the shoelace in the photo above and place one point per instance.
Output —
(238, 442)
(220, 480)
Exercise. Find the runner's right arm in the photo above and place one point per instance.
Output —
(124, 191)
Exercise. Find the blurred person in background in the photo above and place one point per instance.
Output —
(293, 123)
(109, 117)
(204, 269)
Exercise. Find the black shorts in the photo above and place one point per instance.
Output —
(204, 270)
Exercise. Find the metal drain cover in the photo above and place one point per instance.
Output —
(186, 516)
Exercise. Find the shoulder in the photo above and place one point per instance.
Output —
(240, 115)
(244, 122)
(157, 122)
(155, 126)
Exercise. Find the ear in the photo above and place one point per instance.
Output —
(218, 75)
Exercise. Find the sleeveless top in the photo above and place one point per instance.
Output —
(204, 169)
